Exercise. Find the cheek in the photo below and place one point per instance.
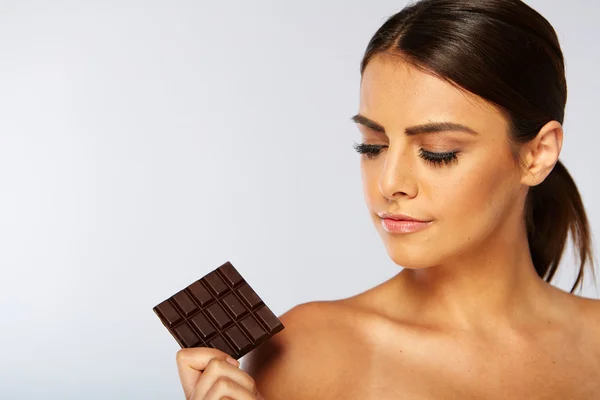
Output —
(476, 195)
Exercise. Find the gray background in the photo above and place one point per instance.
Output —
(143, 144)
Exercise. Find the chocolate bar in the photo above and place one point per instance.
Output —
(220, 310)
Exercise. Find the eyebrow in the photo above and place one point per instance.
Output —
(431, 127)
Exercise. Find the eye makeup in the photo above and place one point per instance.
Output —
(371, 151)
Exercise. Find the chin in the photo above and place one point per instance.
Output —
(414, 254)
(413, 259)
(426, 248)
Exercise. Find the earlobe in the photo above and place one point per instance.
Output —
(540, 155)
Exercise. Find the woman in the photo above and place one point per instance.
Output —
(461, 106)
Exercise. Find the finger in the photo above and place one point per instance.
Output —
(226, 388)
(217, 369)
(191, 363)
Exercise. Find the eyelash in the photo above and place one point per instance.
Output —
(373, 150)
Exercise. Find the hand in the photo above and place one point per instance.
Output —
(210, 374)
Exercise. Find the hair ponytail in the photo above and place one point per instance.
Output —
(553, 210)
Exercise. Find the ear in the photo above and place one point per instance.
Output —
(540, 155)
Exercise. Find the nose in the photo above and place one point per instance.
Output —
(397, 178)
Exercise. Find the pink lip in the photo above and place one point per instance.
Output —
(400, 217)
(402, 223)
(396, 226)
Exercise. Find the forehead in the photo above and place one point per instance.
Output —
(395, 93)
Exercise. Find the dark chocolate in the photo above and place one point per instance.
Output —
(220, 310)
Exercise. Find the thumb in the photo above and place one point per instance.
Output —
(192, 361)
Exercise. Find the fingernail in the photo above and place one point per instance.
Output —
(231, 361)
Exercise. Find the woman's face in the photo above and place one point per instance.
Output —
(465, 184)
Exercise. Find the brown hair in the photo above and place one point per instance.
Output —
(508, 54)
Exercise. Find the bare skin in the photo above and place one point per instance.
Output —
(467, 317)
(348, 349)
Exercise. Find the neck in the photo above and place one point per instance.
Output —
(495, 286)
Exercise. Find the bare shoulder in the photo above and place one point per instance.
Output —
(590, 309)
(303, 360)
(589, 321)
